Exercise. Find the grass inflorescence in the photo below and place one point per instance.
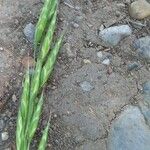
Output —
(32, 95)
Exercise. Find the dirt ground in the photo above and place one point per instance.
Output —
(81, 118)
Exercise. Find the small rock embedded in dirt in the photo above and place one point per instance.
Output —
(14, 98)
(28, 61)
(133, 66)
(113, 35)
(104, 55)
(67, 48)
(87, 61)
(106, 62)
(75, 25)
(143, 47)
(29, 32)
(139, 9)
(129, 131)
(1, 49)
(100, 54)
(4, 136)
(86, 86)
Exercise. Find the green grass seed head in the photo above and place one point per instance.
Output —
(30, 108)
(47, 11)
(49, 65)
(35, 118)
(44, 138)
(48, 38)
(25, 96)
(19, 131)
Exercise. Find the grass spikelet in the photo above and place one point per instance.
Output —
(19, 131)
(35, 118)
(25, 96)
(46, 14)
(22, 115)
(43, 19)
(49, 65)
(48, 38)
(44, 138)
(35, 83)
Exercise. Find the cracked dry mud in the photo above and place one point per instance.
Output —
(87, 98)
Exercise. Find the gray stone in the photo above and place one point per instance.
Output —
(146, 91)
(146, 112)
(4, 136)
(86, 86)
(133, 66)
(100, 54)
(104, 55)
(129, 132)
(106, 62)
(146, 87)
(142, 45)
(113, 35)
(29, 32)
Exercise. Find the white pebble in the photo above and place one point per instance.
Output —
(5, 136)
(99, 54)
(106, 62)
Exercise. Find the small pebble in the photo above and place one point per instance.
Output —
(110, 70)
(29, 32)
(14, 98)
(113, 35)
(142, 45)
(4, 136)
(75, 25)
(133, 66)
(87, 61)
(67, 48)
(106, 62)
(86, 86)
(139, 9)
(1, 49)
(99, 54)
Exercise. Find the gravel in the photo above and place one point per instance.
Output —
(86, 86)
(142, 45)
(113, 35)
(29, 32)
